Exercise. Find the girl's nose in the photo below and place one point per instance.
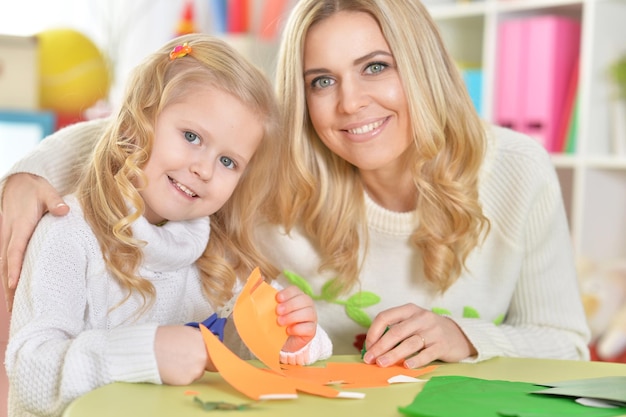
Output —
(203, 168)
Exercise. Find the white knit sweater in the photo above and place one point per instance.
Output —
(519, 296)
(66, 335)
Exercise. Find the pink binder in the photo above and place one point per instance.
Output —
(510, 79)
(553, 50)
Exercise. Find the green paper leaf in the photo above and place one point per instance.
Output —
(220, 405)
(470, 313)
(363, 299)
(330, 290)
(358, 316)
(300, 282)
(441, 311)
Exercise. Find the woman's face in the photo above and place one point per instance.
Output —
(354, 94)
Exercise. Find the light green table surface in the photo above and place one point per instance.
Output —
(125, 399)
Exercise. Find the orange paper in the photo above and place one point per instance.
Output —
(353, 375)
(254, 382)
(256, 321)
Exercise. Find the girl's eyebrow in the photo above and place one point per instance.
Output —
(357, 61)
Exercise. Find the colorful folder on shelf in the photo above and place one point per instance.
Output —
(537, 58)
(473, 78)
(553, 50)
(510, 79)
(237, 18)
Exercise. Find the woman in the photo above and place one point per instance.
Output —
(416, 227)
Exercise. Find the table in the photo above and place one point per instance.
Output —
(126, 399)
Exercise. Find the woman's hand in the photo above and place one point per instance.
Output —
(181, 355)
(415, 336)
(296, 310)
(26, 198)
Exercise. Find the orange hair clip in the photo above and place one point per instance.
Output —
(180, 51)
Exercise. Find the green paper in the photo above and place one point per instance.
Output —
(607, 388)
(220, 405)
(445, 396)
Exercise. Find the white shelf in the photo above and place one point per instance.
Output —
(593, 179)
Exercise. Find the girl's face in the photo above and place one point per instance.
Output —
(202, 146)
(355, 98)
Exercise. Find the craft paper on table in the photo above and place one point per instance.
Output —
(258, 383)
(256, 321)
(255, 317)
(611, 388)
(356, 375)
(475, 397)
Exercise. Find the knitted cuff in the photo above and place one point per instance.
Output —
(319, 348)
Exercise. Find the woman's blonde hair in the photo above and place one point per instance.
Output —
(323, 193)
(106, 189)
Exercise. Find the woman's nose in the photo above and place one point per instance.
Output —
(352, 96)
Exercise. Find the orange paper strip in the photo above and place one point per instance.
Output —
(353, 375)
(256, 321)
(254, 382)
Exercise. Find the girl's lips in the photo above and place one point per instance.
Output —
(181, 187)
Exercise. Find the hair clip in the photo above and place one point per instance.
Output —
(180, 51)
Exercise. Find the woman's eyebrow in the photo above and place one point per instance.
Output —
(357, 61)
(371, 55)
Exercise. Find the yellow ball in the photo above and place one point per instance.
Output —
(73, 73)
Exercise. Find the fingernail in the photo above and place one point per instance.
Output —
(382, 361)
(368, 358)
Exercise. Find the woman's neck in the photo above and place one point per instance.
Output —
(395, 192)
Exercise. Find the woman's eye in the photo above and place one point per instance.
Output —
(191, 137)
(322, 82)
(227, 162)
(375, 67)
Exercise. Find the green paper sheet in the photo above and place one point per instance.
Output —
(612, 388)
(453, 396)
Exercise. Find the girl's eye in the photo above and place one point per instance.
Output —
(227, 162)
(192, 137)
(375, 67)
(322, 82)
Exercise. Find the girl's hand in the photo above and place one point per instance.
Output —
(26, 198)
(416, 337)
(181, 355)
(296, 310)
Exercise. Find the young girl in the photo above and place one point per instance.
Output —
(106, 290)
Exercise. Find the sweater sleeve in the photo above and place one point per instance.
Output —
(318, 349)
(545, 317)
(57, 351)
(58, 158)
